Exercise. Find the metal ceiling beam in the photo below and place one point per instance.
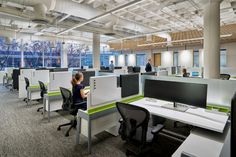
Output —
(119, 8)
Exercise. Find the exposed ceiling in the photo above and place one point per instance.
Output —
(120, 18)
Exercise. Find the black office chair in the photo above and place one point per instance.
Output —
(43, 90)
(224, 76)
(134, 129)
(70, 107)
(27, 84)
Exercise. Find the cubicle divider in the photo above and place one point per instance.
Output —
(103, 89)
(59, 79)
(40, 75)
(129, 84)
(219, 92)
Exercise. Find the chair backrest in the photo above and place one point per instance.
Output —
(27, 84)
(224, 76)
(135, 122)
(67, 99)
(43, 89)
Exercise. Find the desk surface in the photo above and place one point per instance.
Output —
(203, 143)
(197, 117)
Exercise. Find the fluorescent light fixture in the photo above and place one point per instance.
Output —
(177, 41)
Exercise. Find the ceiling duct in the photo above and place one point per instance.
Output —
(40, 14)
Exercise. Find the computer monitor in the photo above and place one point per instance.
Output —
(87, 75)
(195, 73)
(136, 69)
(178, 92)
(149, 73)
(233, 127)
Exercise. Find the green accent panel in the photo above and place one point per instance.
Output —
(233, 77)
(112, 105)
(56, 93)
(36, 86)
(218, 107)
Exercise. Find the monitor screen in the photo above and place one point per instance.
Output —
(195, 73)
(180, 92)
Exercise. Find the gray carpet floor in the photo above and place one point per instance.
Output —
(24, 133)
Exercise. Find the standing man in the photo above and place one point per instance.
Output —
(111, 66)
(148, 66)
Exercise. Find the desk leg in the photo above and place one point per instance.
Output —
(27, 99)
(44, 106)
(78, 130)
(48, 110)
(89, 136)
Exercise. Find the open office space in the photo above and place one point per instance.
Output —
(116, 78)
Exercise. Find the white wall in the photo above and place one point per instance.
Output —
(131, 59)
(121, 60)
(231, 54)
(185, 58)
(112, 58)
(167, 59)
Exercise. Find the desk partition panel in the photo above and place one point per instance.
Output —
(103, 89)
(219, 92)
(129, 84)
(59, 79)
(40, 75)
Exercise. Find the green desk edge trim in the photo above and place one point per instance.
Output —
(220, 108)
(37, 86)
(113, 105)
(136, 98)
(56, 93)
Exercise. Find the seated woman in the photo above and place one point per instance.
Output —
(78, 91)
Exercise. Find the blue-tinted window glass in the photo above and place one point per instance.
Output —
(141, 59)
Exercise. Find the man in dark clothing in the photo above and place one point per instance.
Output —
(148, 66)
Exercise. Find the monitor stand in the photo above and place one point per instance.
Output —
(176, 106)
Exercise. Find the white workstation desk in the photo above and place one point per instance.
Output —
(213, 124)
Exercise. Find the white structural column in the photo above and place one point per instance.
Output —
(22, 61)
(64, 58)
(212, 39)
(96, 51)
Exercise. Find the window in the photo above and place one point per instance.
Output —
(223, 57)
(196, 58)
(87, 59)
(141, 59)
(77, 54)
(175, 60)
(10, 55)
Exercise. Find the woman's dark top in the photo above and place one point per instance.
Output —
(77, 98)
(148, 67)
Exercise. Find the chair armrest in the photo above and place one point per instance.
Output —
(157, 129)
(81, 103)
(120, 120)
